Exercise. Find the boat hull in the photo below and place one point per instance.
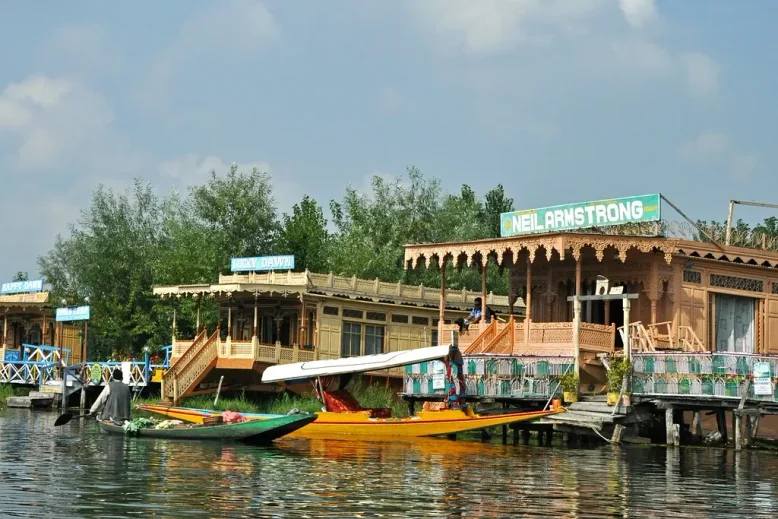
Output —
(251, 431)
(359, 423)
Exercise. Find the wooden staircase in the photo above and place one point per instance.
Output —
(191, 368)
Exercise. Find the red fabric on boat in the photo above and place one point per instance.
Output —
(232, 417)
(341, 401)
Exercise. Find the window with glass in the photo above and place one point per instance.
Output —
(351, 339)
(374, 339)
(434, 338)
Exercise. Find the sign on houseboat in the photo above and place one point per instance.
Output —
(262, 263)
(762, 385)
(618, 211)
(73, 313)
(17, 287)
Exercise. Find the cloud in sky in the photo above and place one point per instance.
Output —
(716, 150)
(223, 30)
(51, 120)
(638, 13)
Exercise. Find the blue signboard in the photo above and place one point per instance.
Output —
(73, 313)
(262, 263)
(17, 287)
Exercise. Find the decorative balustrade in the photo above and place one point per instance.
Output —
(43, 353)
(544, 338)
(491, 376)
(275, 353)
(28, 372)
(190, 367)
(718, 375)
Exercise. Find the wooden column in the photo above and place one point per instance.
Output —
(484, 262)
(528, 303)
(577, 335)
(197, 322)
(174, 321)
(441, 319)
(5, 329)
(301, 335)
(578, 276)
(627, 340)
(255, 328)
(229, 320)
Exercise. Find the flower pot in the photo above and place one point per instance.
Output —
(626, 400)
(570, 397)
(613, 398)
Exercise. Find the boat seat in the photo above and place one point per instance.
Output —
(341, 401)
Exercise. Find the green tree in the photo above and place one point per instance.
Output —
(239, 213)
(371, 230)
(21, 276)
(109, 258)
(496, 204)
(304, 234)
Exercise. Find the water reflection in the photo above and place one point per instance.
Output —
(75, 471)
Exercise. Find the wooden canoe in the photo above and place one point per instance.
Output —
(251, 431)
(359, 423)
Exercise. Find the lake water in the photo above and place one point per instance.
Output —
(77, 471)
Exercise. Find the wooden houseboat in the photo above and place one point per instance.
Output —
(28, 321)
(284, 317)
(703, 317)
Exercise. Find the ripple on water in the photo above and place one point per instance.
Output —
(75, 471)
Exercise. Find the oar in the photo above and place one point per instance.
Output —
(65, 418)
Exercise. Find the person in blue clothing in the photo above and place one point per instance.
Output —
(475, 314)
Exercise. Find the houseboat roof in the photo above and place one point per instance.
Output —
(563, 243)
(329, 285)
(25, 300)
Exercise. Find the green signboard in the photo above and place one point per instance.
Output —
(618, 211)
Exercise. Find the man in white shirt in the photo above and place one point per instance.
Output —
(114, 400)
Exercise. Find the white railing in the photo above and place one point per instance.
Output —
(493, 376)
(692, 374)
(27, 372)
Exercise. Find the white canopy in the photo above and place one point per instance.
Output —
(323, 368)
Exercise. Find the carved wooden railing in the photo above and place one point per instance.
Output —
(190, 350)
(504, 339)
(544, 339)
(191, 367)
(689, 340)
(481, 343)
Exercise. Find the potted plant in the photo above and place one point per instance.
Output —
(569, 382)
(619, 368)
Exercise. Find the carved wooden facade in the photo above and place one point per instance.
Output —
(679, 283)
(29, 319)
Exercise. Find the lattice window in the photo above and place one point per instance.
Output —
(775, 288)
(376, 316)
(692, 276)
(354, 314)
(736, 283)
(422, 321)
(397, 318)
(331, 310)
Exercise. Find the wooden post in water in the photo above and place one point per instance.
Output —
(697, 424)
(738, 431)
(82, 403)
(669, 432)
(721, 423)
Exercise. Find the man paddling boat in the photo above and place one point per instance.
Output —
(114, 400)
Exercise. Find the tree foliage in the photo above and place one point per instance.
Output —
(304, 234)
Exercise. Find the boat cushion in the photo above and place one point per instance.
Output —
(342, 401)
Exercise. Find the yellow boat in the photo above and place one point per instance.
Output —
(344, 415)
(360, 423)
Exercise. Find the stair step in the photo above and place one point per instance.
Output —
(597, 407)
(583, 416)
(593, 398)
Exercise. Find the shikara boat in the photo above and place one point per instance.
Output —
(344, 415)
(250, 431)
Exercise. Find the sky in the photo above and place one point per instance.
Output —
(559, 100)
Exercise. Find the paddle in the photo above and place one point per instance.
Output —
(65, 418)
